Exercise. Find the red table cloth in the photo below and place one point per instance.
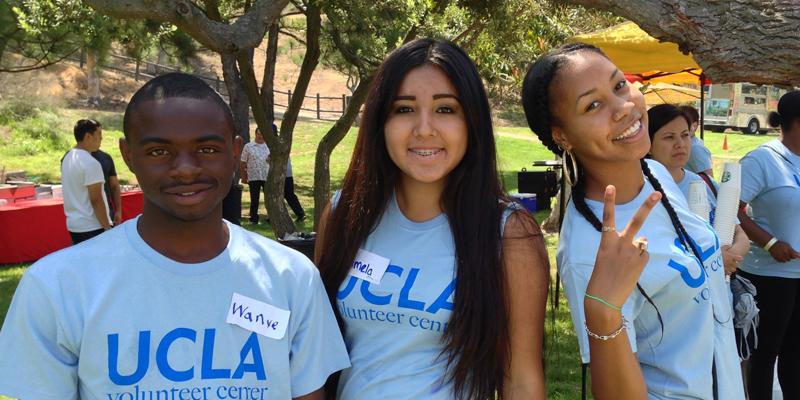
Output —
(30, 230)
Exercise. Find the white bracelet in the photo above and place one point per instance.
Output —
(770, 243)
(611, 335)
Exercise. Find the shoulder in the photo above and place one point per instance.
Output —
(76, 265)
(519, 223)
(279, 260)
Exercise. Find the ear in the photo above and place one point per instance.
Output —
(125, 150)
(560, 138)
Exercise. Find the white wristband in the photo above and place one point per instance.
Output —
(770, 243)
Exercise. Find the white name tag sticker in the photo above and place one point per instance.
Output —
(257, 316)
(369, 266)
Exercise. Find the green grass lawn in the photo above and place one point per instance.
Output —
(517, 148)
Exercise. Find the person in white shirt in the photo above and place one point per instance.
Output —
(253, 170)
(85, 202)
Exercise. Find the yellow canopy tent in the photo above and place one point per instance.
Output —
(641, 56)
(637, 53)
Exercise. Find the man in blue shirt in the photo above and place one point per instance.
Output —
(177, 303)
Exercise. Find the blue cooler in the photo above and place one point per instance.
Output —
(528, 200)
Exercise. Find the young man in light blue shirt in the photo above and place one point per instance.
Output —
(177, 303)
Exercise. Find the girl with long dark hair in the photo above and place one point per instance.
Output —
(671, 145)
(439, 282)
(771, 186)
(657, 327)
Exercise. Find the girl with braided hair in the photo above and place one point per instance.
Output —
(656, 324)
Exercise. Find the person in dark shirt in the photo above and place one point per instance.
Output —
(112, 187)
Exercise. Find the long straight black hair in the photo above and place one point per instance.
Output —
(477, 353)
(538, 104)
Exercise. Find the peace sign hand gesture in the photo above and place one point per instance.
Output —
(622, 256)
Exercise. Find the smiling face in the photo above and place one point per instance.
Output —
(672, 144)
(598, 115)
(183, 153)
(426, 130)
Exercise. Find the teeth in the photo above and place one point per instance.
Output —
(188, 193)
(425, 153)
(628, 132)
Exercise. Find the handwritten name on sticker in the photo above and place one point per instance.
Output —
(369, 266)
(257, 316)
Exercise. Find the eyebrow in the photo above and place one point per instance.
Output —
(206, 138)
(435, 97)
(590, 91)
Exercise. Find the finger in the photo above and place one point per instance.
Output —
(641, 244)
(609, 203)
(641, 215)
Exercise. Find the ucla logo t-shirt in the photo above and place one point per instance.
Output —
(113, 319)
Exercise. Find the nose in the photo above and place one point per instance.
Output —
(185, 167)
(623, 108)
(424, 124)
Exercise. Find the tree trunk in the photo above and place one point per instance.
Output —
(322, 170)
(92, 79)
(281, 145)
(268, 80)
(732, 40)
(237, 96)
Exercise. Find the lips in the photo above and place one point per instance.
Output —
(426, 153)
(631, 131)
(188, 194)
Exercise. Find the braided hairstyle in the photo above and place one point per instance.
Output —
(538, 105)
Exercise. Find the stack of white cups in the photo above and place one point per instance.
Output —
(698, 200)
(728, 202)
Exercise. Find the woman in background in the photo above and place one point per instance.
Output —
(771, 186)
(670, 144)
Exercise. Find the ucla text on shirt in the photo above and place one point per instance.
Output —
(401, 300)
(250, 364)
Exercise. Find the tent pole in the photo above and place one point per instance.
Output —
(702, 105)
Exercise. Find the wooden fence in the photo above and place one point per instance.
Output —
(320, 107)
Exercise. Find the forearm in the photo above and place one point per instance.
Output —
(615, 371)
(754, 232)
(116, 195)
(101, 213)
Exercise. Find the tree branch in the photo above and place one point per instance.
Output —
(733, 41)
(293, 36)
(245, 32)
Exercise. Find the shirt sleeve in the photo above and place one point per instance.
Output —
(753, 178)
(36, 361)
(112, 169)
(93, 172)
(700, 159)
(575, 278)
(245, 153)
(318, 349)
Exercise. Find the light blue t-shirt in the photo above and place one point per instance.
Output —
(687, 180)
(112, 318)
(771, 185)
(394, 329)
(691, 299)
(700, 157)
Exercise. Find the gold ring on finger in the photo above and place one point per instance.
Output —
(609, 229)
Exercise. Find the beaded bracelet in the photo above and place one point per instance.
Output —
(611, 335)
(595, 298)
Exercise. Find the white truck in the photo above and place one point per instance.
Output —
(740, 106)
